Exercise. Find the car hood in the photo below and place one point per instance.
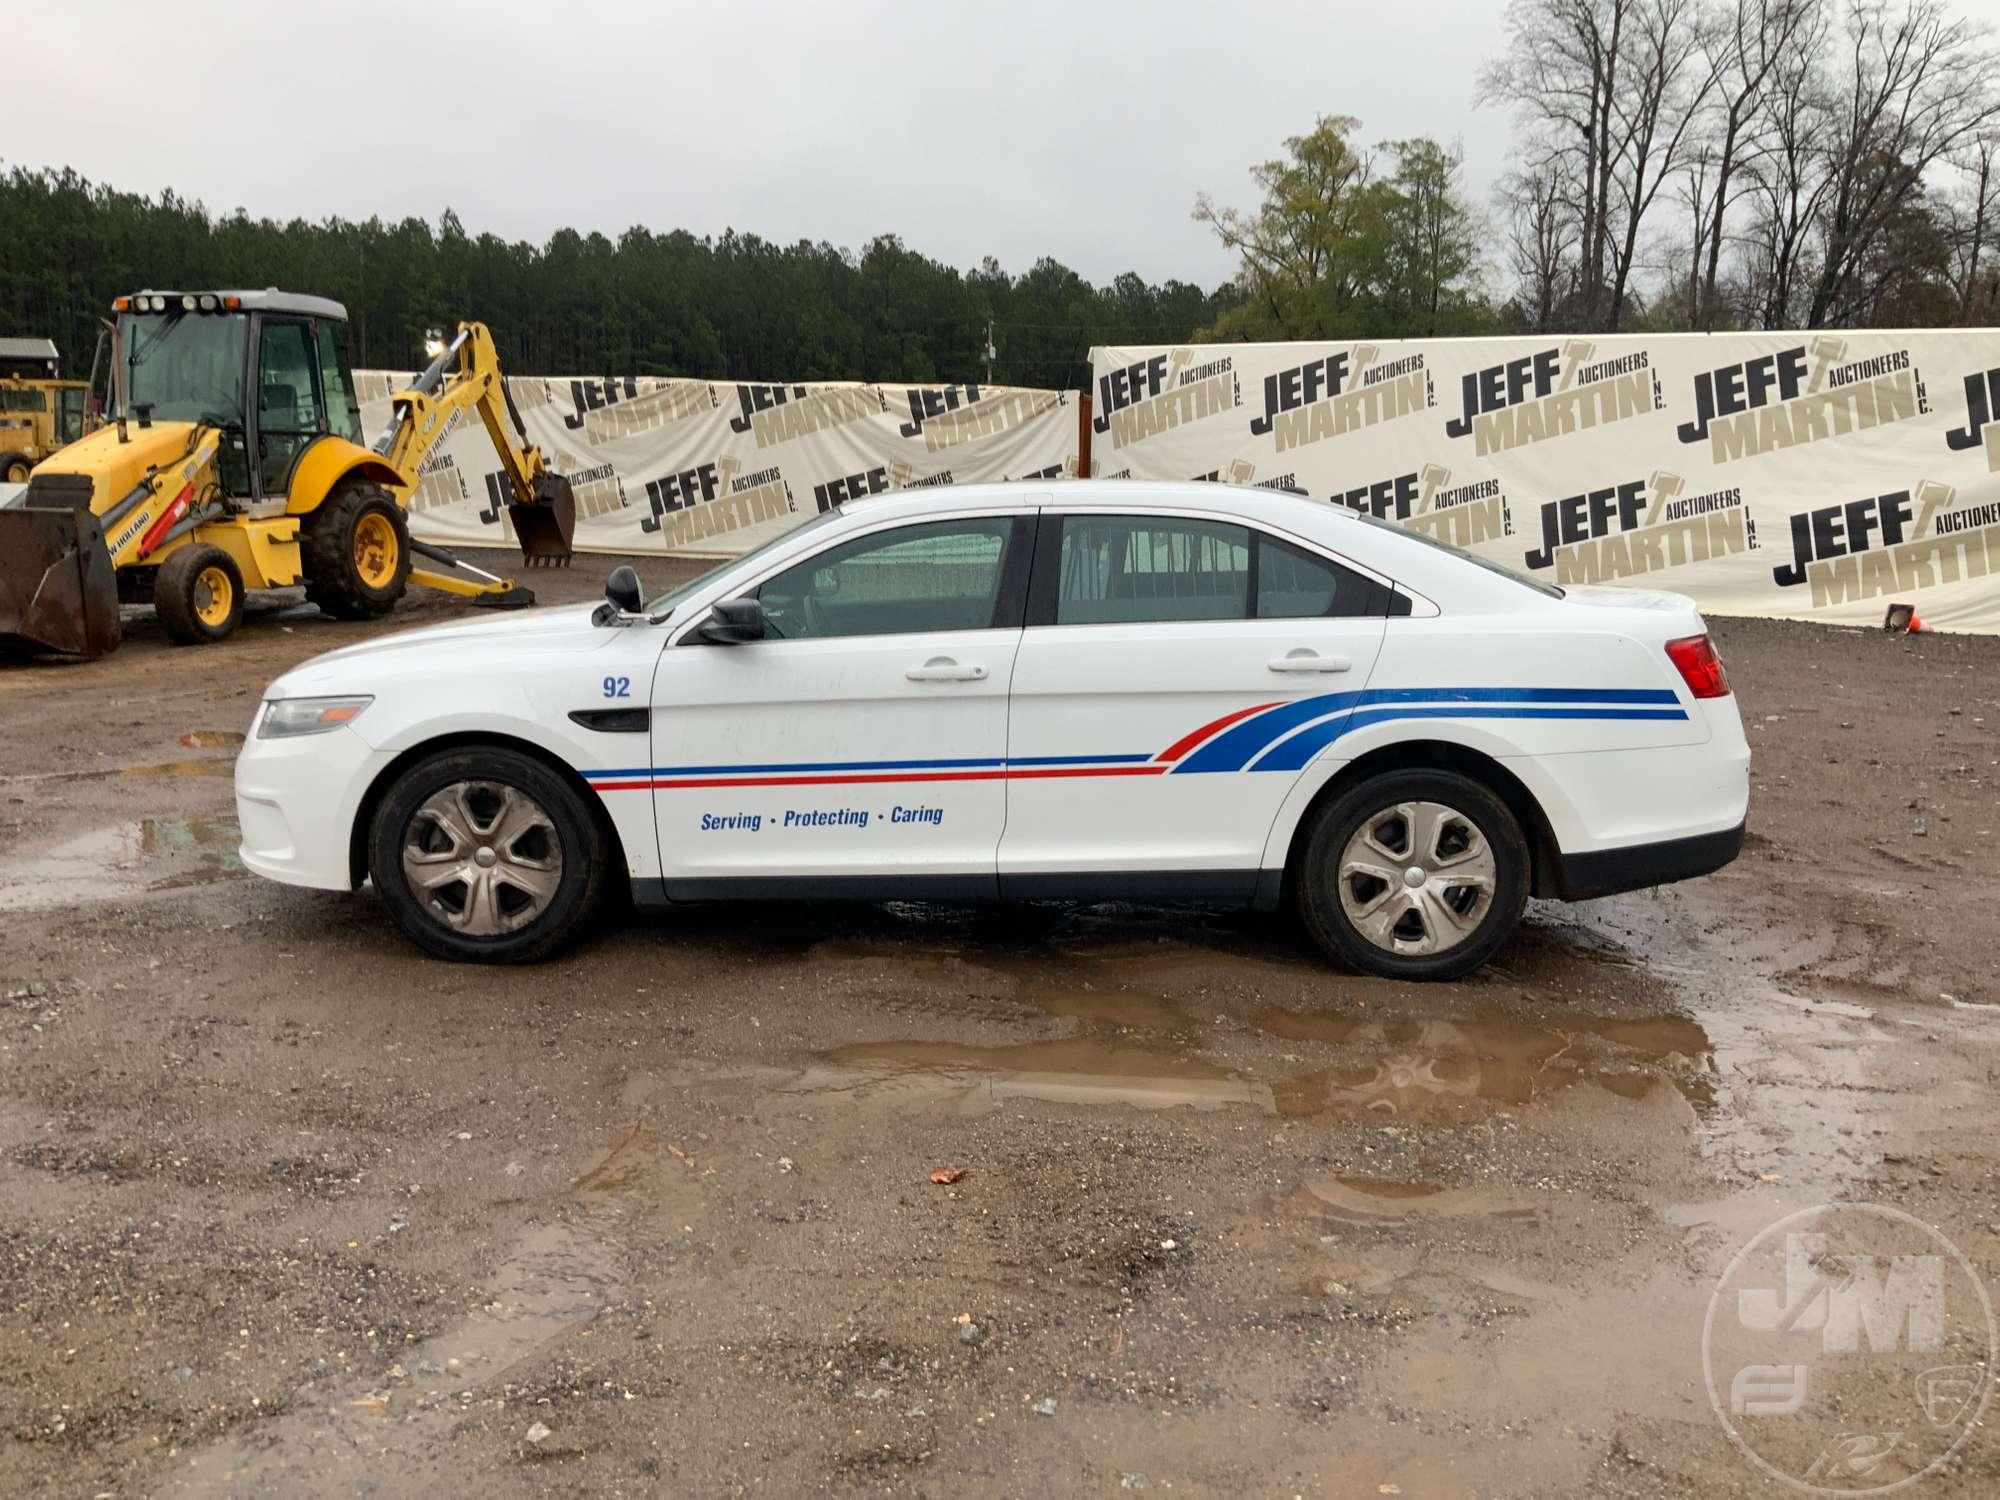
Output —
(477, 643)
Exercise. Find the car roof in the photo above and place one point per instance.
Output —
(1279, 507)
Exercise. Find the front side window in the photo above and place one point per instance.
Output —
(288, 410)
(942, 575)
(1125, 569)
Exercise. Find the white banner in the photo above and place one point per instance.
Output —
(1814, 476)
(712, 468)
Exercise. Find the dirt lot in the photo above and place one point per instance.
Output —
(290, 1209)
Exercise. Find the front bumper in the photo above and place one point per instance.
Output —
(296, 802)
(1605, 872)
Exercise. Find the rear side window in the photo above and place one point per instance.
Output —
(1121, 569)
(1293, 584)
(1138, 569)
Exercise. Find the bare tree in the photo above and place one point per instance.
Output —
(1915, 85)
(1609, 92)
(1560, 72)
(1971, 226)
(1744, 43)
(1542, 241)
(1669, 80)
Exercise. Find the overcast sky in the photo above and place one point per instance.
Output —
(1080, 130)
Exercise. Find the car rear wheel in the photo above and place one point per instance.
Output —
(1414, 875)
(487, 855)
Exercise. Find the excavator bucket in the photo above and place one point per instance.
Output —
(58, 592)
(545, 525)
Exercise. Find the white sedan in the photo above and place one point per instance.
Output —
(1093, 691)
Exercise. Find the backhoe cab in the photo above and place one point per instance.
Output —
(236, 460)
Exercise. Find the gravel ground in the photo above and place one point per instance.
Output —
(292, 1210)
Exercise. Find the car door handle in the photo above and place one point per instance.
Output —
(944, 669)
(1304, 660)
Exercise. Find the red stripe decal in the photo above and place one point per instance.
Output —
(1038, 774)
(1181, 747)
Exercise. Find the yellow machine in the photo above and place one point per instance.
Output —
(235, 460)
(39, 412)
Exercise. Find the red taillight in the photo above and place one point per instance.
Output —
(1700, 667)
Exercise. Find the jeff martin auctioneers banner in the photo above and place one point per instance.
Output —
(1817, 476)
(713, 468)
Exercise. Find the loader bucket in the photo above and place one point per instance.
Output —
(58, 592)
(545, 525)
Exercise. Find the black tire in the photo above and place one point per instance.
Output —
(198, 594)
(1372, 804)
(336, 580)
(15, 467)
(445, 921)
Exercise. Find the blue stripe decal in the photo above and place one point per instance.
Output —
(1236, 747)
(1232, 749)
(1283, 738)
(1293, 754)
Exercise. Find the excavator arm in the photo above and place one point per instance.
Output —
(465, 377)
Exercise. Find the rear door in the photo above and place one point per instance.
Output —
(860, 748)
(1164, 653)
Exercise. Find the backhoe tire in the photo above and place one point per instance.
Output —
(198, 595)
(356, 551)
(14, 468)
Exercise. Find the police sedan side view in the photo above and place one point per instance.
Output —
(1091, 691)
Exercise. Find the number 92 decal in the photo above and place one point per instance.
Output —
(617, 687)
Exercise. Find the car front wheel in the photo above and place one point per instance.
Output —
(487, 855)
(1414, 875)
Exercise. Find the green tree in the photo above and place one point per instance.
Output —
(1334, 251)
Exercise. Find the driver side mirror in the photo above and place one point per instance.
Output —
(623, 590)
(730, 622)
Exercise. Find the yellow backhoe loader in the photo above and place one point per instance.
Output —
(235, 461)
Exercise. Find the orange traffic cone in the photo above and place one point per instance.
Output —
(1918, 627)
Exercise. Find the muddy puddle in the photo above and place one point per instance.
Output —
(1149, 1029)
(149, 854)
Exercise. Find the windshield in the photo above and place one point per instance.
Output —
(673, 596)
(1548, 589)
(185, 366)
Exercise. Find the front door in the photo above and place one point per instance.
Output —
(1165, 663)
(859, 749)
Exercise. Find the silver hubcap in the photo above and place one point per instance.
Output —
(1417, 878)
(483, 858)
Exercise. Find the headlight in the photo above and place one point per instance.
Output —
(289, 716)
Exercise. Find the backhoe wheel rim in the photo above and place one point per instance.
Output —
(214, 597)
(17, 473)
(1417, 878)
(375, 550)
(482, 858)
